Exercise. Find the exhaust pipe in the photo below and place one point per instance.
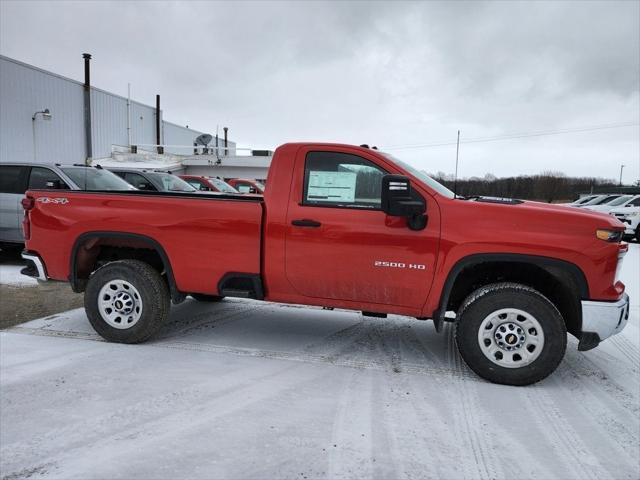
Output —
(160, 149)
(87, 106)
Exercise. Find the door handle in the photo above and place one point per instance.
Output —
(305, 223)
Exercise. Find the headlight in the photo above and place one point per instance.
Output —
(609, 235)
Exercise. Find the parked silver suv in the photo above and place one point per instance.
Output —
(17, 178)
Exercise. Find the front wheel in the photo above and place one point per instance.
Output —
(127, 301)
(510, 334)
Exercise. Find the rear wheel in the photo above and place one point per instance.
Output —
(511, 334)
(201, 297)
(127, 301)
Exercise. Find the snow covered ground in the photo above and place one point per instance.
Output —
(244, 389)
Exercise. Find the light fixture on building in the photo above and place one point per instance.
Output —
(46, 114)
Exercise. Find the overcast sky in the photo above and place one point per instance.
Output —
(387, 74)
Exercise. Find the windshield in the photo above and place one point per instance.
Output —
(88, 178)
(595, 200)
(171, 183)
(222, 186)
(584, 200)
(618, 201)
(606, 199)
(430, 182)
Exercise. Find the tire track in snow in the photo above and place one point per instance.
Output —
(99, 429)
(480, 444)
(295, 356)
(350, 449)
(209, 319)
(425, 456)
(578, 365)
(557, 430)
(627, 348)
(587, 397)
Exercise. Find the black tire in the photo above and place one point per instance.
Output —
(201, 297)
(638, 233)
(155, 300)
(491, 298)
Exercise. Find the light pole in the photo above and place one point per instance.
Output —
(46, 114)
(621, 167)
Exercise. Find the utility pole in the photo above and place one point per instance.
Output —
(455, 178)
(621, 167)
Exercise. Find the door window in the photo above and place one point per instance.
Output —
(139, 181)
(341, 180)
(44, 178)
(12, 179)
(198, 185)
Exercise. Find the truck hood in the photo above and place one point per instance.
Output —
(564, 209)
(517, 219)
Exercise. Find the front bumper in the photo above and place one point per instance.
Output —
(35, 266)
(601, 320)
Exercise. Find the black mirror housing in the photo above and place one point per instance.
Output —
(397, 200)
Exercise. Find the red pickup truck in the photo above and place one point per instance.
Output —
(347, 227)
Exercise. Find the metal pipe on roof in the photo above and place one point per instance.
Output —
(158, 142)
(87, 106)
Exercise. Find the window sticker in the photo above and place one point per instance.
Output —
(331, 186)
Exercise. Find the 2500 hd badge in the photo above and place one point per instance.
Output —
(414, 266)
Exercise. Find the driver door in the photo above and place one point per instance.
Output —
(340, 244)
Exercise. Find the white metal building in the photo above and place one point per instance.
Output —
(27, 134)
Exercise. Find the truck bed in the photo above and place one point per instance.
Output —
(195, 230)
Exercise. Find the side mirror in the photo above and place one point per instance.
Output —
(55, 184)
(253, 190)
(397, 201)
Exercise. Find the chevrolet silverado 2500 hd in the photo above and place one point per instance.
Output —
(348, 227)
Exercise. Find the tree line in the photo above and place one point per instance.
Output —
(546, 186)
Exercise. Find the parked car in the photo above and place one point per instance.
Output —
(630, 216)
(244, 185)
(347, 227)
(17, 178)
(208, 184)
(154, 181)
(605, 207)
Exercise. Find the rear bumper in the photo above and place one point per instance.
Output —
(35, 266)
(600, 320)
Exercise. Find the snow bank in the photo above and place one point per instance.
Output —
(10, 275)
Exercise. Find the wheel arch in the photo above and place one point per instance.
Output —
(90, 240)
(545, 274)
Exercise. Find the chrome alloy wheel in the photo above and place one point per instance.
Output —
(511, 338)
(120, 304)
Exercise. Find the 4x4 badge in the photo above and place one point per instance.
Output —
(58, 201)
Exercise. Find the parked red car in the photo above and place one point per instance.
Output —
(244, 185)
(208, 184)
(347, 227)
